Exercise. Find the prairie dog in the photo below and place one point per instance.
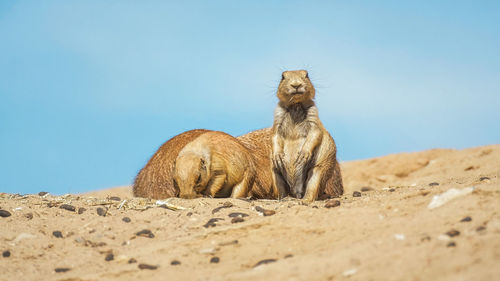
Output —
(258, 142)
(214, 164)
(303, 152)
(155, 179)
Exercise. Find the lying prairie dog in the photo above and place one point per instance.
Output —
(303, 152)
(155, 178)
(214, 164)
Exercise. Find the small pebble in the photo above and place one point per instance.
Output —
(29, 216)
(237, 220)
(453, 233)
(57, 234)
(68, 207)
(147, 266)
(145, 233)
(62, 269)
(175, 262)
(425, 238)
(466, 219)
(484, 178)
(265, 212)
(234, 215)
(42, 193)
(126, 219)
(391, 190)
(101, 211)
(211, 222)
(132, 260)
(451, 244)
(81, 210)
(114, 198)
(214, 260)
(288, 256)
(266, 261)
(356, 194)
(6, 254)
(189, 214)
(332, 203)
(433, 184)
(366, 188)
(480, 228)
(4, 213)
(109, 257)
(225, 205)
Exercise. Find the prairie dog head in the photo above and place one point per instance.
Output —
(295, 87)
(191, 174)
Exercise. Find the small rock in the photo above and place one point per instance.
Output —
(81, 210)
(62, 269)
(399, 236)
(425, 238)
(4, 213)
(453, 233)
(264, 212)
(237, 214)
(109, 257)
(145, 233)
(466, 219)
(211, 222)
(332, 203)
(356, 194)
(189, 214)
(288, 256)
(68, 207)
(101, 211)
(266, 261)
(451, 244)
(237, 220)
(42, 193)
(484, 178)
(175, 262)
(227, 243)
(481, 228)
(214, 260)
(115, 198)
(225, 205)
(147, 266)
(434, 184)
(6, 254)
(57, 234)
(29, 216)
(391, 190)
(366, 189)
(469, 168)
(132, 260)
(126, 219)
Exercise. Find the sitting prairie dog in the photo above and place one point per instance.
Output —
(303, 152)
(155, 179)
(214, 164)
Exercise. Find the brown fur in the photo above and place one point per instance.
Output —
(303, 152)
(155, 179)
(259, 144)
(214, 164)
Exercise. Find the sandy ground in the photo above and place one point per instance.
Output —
(387, 233)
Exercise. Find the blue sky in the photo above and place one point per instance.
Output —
(90, 89)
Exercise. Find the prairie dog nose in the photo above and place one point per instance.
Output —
(296, 84)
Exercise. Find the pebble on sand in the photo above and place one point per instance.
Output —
(366, 188)
(265, 261)
(6, 254)
(145, 233)
(68, 207)
(466, 219)
(147, 266)
(114, 198)
(175, 262)
(265, 212)
(214, 260)
(101, 211)
(57, 234)
(434, 184)
(4, 213)
(212, 222)
(356, 194)
(332, 203)
(109, 257)
(62, 269)
(126, 219)
(81, 210)
(453, 233)
(132, 260)
(237, 220)
(451, 244)
(484, 178)
(42, 193)
(226, 204)
(237, 214)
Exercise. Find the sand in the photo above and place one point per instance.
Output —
(387, 233)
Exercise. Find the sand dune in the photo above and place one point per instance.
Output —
(388, 232)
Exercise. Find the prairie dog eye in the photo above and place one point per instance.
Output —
(307, 75)
(282, 77)
(198, 180)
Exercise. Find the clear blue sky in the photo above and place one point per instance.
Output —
(90, 89)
